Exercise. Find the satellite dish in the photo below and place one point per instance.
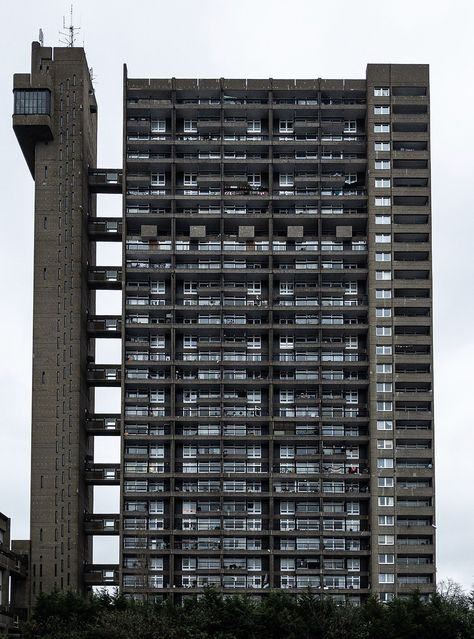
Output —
(41, 37)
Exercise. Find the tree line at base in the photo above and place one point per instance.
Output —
(449, 614)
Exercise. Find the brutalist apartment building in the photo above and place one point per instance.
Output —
(276, 417)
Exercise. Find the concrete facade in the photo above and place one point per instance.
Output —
(13, 578)
(276, 418)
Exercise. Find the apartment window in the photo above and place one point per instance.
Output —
(383, 312)
(383, 331)
(383, 275)
(384, 463)
(384, 424)
(158, 179)
(383, 219)
(383, 257)
(157, 341)
(190, 179)
(386, 578)
(381, 128)
(254, 179)
(386, 559)
(287, 507)
(382, 165)
(384, 387)
(157, 396)
(352, 397)
(385, 520)
(351, 288)
(254, 342)
(381, 146)
(190, 126)
(382, 183)
(190, 341)
(353, 565)
(385, 482)
(383, 238)
(383, 293)
(188, 563)
(352, 342)
(286, 179)
(381, 109)
(254, 563)
(384, 444)
(156, 507)
(383, 201)
(384, 368)
(287, 341)
(384, 406)
(189, 288)
(350, 126)
(158, 287)
(287, 564)
(386, 502)
(286, 451)
(386, 597)
(383, 349)
(287, 396)
(386, 540)
(254, 396)
(287, 288)
(353, 508)
(254, 288)
(254, 126)
(381, 92)
(190, 396)
(158, 126)
(286, 126)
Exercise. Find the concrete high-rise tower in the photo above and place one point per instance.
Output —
(276, 419)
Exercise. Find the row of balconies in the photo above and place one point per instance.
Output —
(355, 139)
(238, 192)
(145, 321)
(136, 304)
(213, 155)
(242, 264)
(135, 377)
(241, 209)
(284, 100)
(284, 289)
(258, 244)
(242, 180)
(247, 124)
(339, 432)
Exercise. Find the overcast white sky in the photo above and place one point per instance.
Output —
(253, 39)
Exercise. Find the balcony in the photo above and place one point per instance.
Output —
(102, 474)
(99, 424)
(104, 375)
(105, 229)
(101, 575)
(209, 124)
(105, 180)
(101, 524)
(104, 326)
(105, 277)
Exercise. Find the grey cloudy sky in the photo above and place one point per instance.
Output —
(261, 38)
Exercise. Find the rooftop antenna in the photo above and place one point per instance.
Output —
(41, 37)
(70, 33)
